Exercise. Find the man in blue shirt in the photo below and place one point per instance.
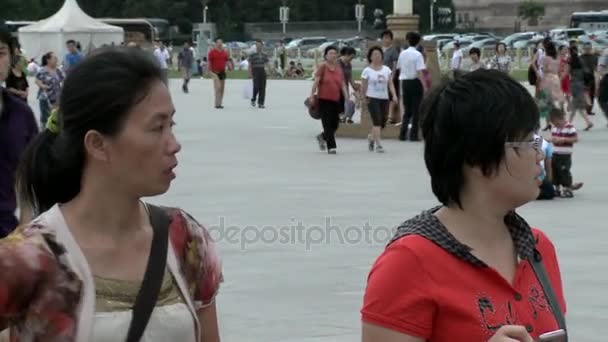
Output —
(17, 128)
(73, 57)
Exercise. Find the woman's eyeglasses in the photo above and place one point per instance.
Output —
(536, 144)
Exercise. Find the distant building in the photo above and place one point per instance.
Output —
(501, 15)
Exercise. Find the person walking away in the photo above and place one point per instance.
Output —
(457, 58)
(282, 53)
(564, 75)
(476, 63)
(16, 81)
(502, 61)
(377, 84)
(73, 57)
(17, 129)
(347, 54)
(162, 56)
(580, 99)
(328, 87)
(602, 82)
(550, 81)
(49, 80)
(391, 56)
(537, 64)
(563, 137)
(258, 62)
(186, 60)
(411, 65)
(589, 61)
(218, 62)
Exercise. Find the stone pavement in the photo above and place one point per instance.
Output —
(298, 229)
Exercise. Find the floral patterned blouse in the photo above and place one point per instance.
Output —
(41, 293)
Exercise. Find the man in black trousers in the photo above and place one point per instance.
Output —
(411, 65)
(257, 70)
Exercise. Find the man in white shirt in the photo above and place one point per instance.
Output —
(162, 55)
(457, 58)
(411, 65)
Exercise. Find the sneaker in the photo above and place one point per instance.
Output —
(321, 142)
(252, 103)
(370, 143)
(261, 106)
(379, 149)
(332, 151)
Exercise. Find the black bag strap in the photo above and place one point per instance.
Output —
(543, 279)
(155, 270)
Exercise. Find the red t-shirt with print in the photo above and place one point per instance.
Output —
(417, 288)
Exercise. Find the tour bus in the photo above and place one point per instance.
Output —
(590, 21)
(150, 29)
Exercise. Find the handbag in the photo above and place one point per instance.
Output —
(532, 78)
(545, 283)
(155, 270)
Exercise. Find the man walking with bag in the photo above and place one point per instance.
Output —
(257, 71)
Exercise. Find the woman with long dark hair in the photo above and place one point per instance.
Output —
(99, 264)
(580, 100)
(550, 88)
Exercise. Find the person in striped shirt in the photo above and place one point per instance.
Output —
(563, 137)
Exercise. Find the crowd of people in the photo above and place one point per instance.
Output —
(89, 260)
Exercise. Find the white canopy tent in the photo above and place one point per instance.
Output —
(70, 22)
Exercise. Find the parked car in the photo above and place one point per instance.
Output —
(488, 43)
(305, 43)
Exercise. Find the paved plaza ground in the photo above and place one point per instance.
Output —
(251, 175)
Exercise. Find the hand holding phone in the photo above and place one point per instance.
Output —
(552, 336)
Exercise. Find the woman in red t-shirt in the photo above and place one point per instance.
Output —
(328, 86)
(462, 271)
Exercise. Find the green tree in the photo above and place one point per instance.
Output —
(531, 10)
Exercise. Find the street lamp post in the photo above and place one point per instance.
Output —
(205, 10)
(433, 15)
(284, 15)
(359, 14)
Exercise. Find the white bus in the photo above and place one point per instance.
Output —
(590, 21)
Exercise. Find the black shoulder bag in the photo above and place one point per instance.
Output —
(543, 279)
(153, 279)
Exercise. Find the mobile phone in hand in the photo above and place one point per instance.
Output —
(552, 336)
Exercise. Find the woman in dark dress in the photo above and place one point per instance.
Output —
(16, 81)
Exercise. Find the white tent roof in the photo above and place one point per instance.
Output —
(70, 19)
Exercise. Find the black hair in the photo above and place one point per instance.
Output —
(551, 50)
(457, 44)
(413, 38)
(467, 121)
(499, 44)
(46, 57)
(387, 33)
(6, 38)
(370, 52)
(329, 48)
(348, 51)
(51, 168)
(259, 41)
(71, 41)
(575, 60)
(475, 51)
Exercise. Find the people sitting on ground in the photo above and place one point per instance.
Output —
(244, 65)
